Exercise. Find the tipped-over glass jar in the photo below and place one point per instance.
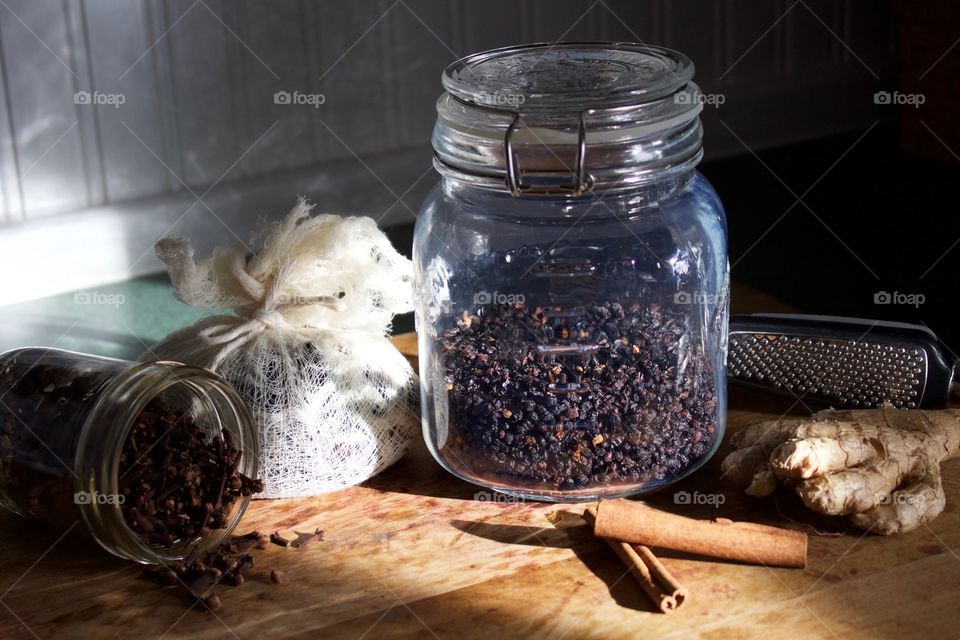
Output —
(153, 459)
(571, 273)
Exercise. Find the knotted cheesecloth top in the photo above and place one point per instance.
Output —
(323, 271)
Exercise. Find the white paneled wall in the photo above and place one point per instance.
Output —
(198, 78)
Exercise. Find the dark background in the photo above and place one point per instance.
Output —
(880, 214)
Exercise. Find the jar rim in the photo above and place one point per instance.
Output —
(97, 459)
(568, 76)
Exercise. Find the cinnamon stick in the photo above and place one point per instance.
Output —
(666, 602)
(720, 538)
(661, 574)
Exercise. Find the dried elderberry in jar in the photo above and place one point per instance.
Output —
(571, 273)
(153, 459)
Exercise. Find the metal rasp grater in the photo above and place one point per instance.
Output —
(842, 362)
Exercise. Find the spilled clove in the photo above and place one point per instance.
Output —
(279, 540)
(316, 536)
(202, 575)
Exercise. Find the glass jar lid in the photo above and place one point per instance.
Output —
(568, 117)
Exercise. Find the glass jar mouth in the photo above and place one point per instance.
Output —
(564, 77)
(105, 432)
(568, 117)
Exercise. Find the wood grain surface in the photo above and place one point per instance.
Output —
(415, 552)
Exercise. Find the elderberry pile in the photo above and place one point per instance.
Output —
(599, 398)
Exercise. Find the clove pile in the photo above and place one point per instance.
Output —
(177, 482)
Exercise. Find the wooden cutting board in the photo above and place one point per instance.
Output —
(417, 553)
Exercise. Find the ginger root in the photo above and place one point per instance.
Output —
(879, 466)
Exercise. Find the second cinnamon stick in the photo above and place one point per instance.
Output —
(661, 596)
(746, 542)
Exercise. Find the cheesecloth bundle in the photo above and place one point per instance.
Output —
(306, 346)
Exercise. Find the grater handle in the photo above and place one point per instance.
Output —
(839, 361)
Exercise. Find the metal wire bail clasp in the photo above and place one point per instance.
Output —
(546, 182)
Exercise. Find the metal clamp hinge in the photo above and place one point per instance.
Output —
(575, 182)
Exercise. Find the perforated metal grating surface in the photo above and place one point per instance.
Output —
(848, 372)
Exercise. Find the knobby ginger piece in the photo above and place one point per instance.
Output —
(879, 466)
